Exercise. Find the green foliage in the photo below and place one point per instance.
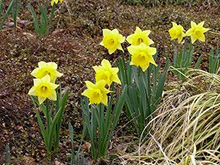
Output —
(15, 11)
(183, 60)
(7, 154)
(51, 134)
(75, 158)
(4, 17)
(100, 122)
(187, 125)
(72, 146)
(214, 60)
(42, 27)
(144, 91)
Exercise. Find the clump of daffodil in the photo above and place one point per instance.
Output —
(112, 40)
(176, 32)
(139, 37)
(97, 93)
(44, 69)
(55, 1)
(196, 32)
(106, 72)
(142, 55)
(43, 88)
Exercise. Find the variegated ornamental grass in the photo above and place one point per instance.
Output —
(186, 127)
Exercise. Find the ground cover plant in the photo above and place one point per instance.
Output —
(182, 125)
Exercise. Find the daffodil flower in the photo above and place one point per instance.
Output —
(106, 72)
(197, 31)
(139, 37)
(43, 88)
(97, 93)
(176, 32)
(142, 55)
(112, 40)
(55, 1)
(44, 69)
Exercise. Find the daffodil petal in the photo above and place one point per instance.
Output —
(32, 91)
(41, 99)
(202, 38)
(89, 84)
(53, 96)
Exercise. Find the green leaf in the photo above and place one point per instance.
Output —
(7, 153)
(72, 147)
(198, 62)
(161, 81)
(44, 24)
(52, 15)
(7, 13)
(36, 24)
(53, 125)
(40, 122)
(15, 11)
(1, 6)
(118, 107)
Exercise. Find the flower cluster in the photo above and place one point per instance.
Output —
(196, 32)
(105, 75)
(139, 49)
(142, 55)
(44, 84)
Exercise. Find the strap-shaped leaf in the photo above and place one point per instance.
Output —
(72, 147)
(15, 11)
(71, 133)
(6, 13)
(53, 125)
(36, 24)
(44, 24)
(118, 108)
(1, 6)
(40, 122)
(162, 80)
(198, 62)
(51, 15)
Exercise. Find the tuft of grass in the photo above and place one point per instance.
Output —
(186, 127)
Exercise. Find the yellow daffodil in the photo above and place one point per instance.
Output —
(139, 37)
(43, 88)
(97, 93)
(142, 55)
(55, 1)
(176, 32)
(112, 40)
(197, 31)
(44, 69)
(106, 72)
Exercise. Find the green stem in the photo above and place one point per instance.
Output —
(149, 92)
(48, 118)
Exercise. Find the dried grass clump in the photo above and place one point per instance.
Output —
(186, 128)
